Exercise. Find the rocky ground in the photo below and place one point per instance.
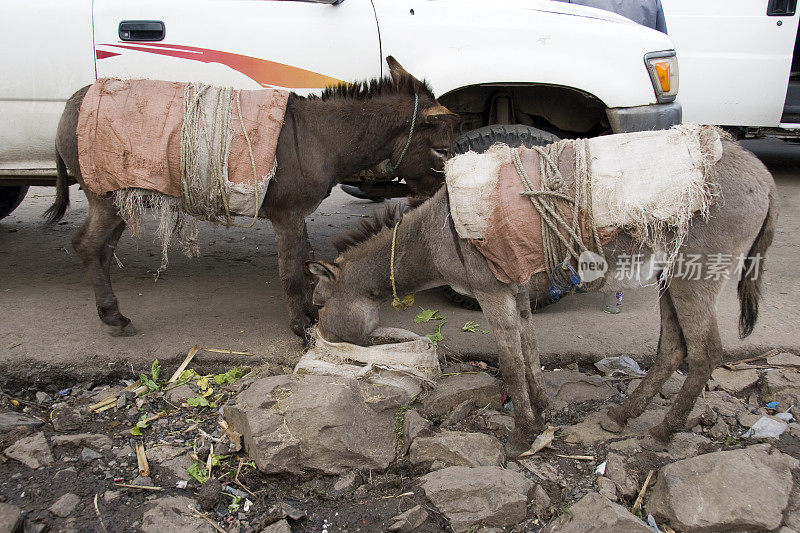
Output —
(263, 450)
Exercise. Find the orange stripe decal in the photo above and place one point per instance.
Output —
(262, 71)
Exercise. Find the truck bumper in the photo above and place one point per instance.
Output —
(644, 117)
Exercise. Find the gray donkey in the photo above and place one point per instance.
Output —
(429, 253)
(349, 128)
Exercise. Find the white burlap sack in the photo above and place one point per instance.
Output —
(411, 365)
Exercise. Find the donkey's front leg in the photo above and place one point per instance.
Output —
(293, 250)
(500, 309)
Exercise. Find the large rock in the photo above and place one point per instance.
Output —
(414, 425)
(450, 391)
(293, 423)
(569, 386)
(10, 518)
(32, 451)
(81, 440)
(596, 514)
(174, 514)
(733, 490)
(735, 381)
(784, 359)
(486, 495)
(14, 426)
(782, 386)
(457, 448)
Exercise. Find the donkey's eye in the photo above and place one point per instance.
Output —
(442, 153)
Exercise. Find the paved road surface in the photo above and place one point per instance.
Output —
(231, 297)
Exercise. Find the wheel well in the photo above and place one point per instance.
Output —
(563, 111)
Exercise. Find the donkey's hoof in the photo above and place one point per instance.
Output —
(610, 425)
(122, 331)
(653, 444)
(660, 434)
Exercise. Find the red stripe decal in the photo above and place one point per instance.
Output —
(262, 71)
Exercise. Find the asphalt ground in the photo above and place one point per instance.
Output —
(231, 297)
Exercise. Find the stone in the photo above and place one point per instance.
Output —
(10, 518)
(179, 394)
(64, 506)
(784, 359)
(718, 431)
(543, 470)
(459, 413)
(497, 422)
(791, 517)
(617, 472)
(292, 423)
(43, 398)
(66, 476)
(587, 431)
(746, 420)
(596, 514)
(173, 514)
(208, 495)
(67, 419)
(457, 448)
(540, 500)
(782, 386)
(735, 381)
(723, 403)
(14, 426)
(460, 494)
(176, 466)
(481, 388)
(142, 481)
(345, 482)
(160, 454)
(413, 426)
(607, 488)
(111, 495)
(88, 455)
(409, 520)
(281, 526)
(672, 385)
(686, 444)
(626, 446)
(32, 451)
(81, 440)
(567, 386)
(731, 490)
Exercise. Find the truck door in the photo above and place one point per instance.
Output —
(249, 44)
(734, 58)
(47, 56)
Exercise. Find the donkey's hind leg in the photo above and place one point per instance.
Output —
(499, 306)
(695, 308)
(670, 354)
(95, 243)
(530, 354)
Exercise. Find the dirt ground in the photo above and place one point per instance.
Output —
(230, 297)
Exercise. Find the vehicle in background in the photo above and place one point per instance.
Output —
(521, 71)
(739, 63)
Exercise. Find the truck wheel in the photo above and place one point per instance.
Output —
(10, 198)
(480, 140)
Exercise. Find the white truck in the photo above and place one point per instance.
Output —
(529, 70)
(740, 64)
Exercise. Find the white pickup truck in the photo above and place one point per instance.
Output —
(530, 69)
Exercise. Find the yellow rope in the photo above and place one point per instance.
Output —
(408, 299)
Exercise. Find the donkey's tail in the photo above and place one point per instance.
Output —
(749, 288)
(56, 211)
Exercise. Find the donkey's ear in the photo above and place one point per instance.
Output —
(439, 113)
(323, 270)
(398, 72)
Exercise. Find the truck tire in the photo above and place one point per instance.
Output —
(480, 140)
(10, 198)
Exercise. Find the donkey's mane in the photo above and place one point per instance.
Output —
(362, 90)
(368, 228)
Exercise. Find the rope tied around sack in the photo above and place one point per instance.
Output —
(556, 230)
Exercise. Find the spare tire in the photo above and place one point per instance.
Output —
(480, 140)
(10, 198)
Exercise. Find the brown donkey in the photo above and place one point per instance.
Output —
(349, 128)
(430, 253)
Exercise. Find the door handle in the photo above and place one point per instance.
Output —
(141, 30)
(781, 8)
